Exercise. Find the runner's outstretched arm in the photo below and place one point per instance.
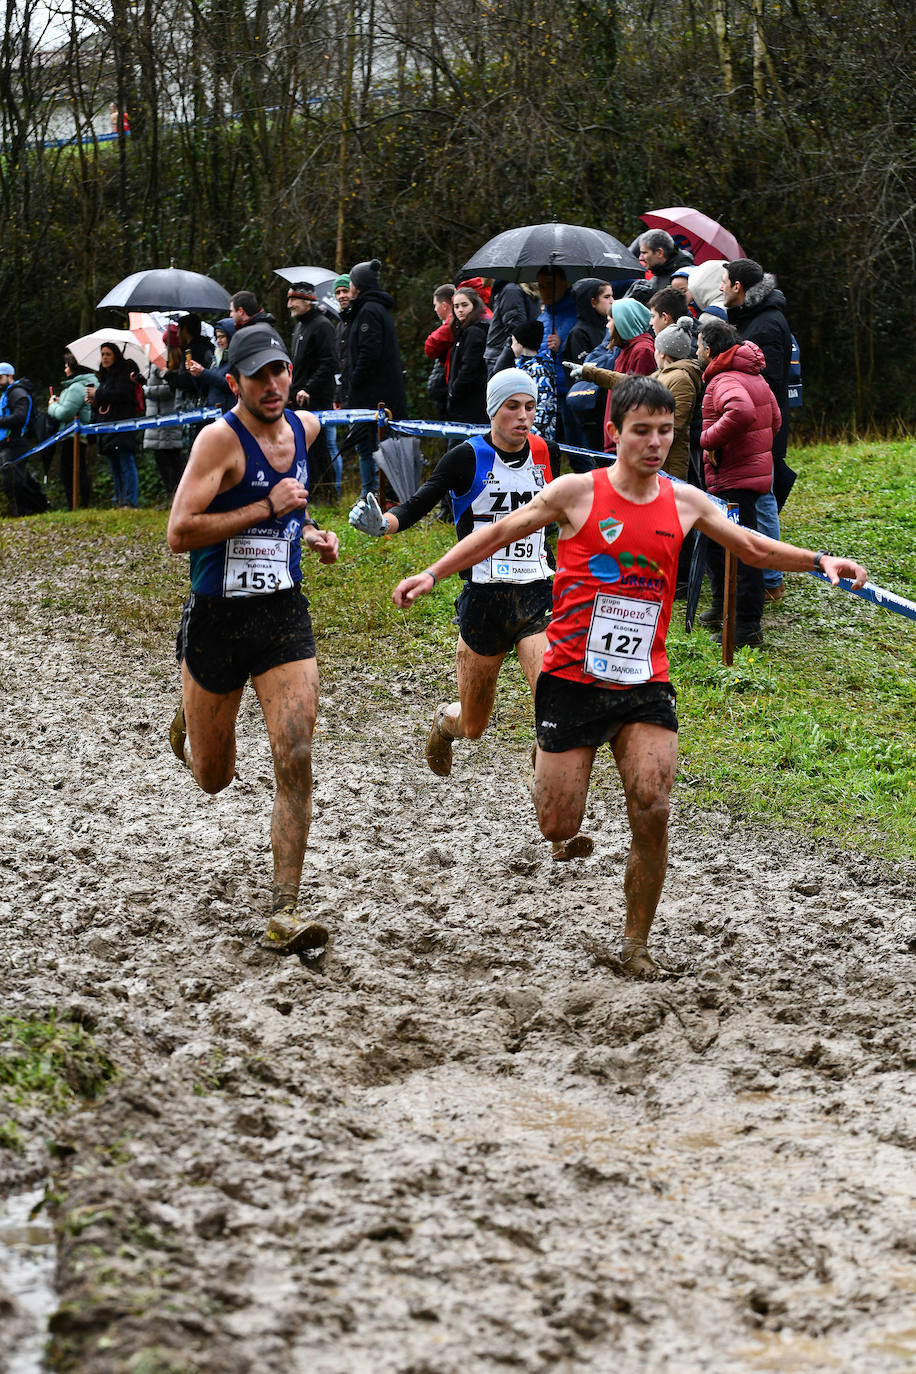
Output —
(758, 551)
(548, 506)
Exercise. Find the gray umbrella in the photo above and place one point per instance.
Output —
(168, 288)
(519, 254)
(321, 278)
(401, 460)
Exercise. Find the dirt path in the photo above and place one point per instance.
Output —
(462, 1144)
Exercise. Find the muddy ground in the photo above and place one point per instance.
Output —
(463, 1143)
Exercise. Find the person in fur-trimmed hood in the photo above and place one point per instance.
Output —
(757, 309)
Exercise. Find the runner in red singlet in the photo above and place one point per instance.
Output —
(605, 673)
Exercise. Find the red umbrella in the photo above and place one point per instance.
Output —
(707, 237)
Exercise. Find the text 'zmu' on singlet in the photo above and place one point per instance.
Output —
(613, 591)
(497, 490)
(266, 557)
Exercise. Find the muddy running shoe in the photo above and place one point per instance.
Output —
(178, 734)
(636, 962)
(288, 933)
(439, 747)
(579, 847)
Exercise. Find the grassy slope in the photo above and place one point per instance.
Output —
(815, 731)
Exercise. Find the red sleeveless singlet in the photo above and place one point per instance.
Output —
(613, 590)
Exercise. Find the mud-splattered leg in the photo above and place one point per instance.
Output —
(289, 699)
(469, 716)
(210, 725)
(646, 757)
(531, 652)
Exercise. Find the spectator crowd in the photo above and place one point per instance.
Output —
(715, 334)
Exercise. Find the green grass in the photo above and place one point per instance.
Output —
(51, 1061)
(814, 732)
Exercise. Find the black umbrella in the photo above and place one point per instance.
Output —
(168, 288)
(695, 578)
(519, 254)
(321, 278)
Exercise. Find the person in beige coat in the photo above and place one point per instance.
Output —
(676, 370)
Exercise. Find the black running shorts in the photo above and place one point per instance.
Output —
(225, 640)
(578, 715)
(493, 617)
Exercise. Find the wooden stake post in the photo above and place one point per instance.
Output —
(75, 498)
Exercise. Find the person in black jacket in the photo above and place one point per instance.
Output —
(115, 398)
(660, 256)
(314, 354)
(513, 304)
(17, 408)
(376, 376)
(467, 370)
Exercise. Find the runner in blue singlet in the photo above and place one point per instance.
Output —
(241, 512)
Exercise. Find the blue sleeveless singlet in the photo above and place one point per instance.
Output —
(266, 557)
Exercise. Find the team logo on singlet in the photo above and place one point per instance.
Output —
(610, 528)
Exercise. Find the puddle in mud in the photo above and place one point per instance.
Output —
(27, 1259)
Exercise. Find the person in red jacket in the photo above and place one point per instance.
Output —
(740, 418)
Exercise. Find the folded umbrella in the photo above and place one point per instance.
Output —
(168, 288)
(708, 238)
(401, 460)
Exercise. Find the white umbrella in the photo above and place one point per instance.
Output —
(88, 350)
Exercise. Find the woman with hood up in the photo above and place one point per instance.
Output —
(211, 381)
(704, 288)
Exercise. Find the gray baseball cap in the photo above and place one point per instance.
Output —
(254, 345)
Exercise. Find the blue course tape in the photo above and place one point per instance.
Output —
(878, 596)
(178, 417)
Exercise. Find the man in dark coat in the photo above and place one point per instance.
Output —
(244, 309)
(314, 354)
(757, 309)
(512, 305)
(17, 406)
(660, 256)
(376, 375)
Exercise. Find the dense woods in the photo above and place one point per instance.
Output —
(267, 132)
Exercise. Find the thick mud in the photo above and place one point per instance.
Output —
(462, 1142)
